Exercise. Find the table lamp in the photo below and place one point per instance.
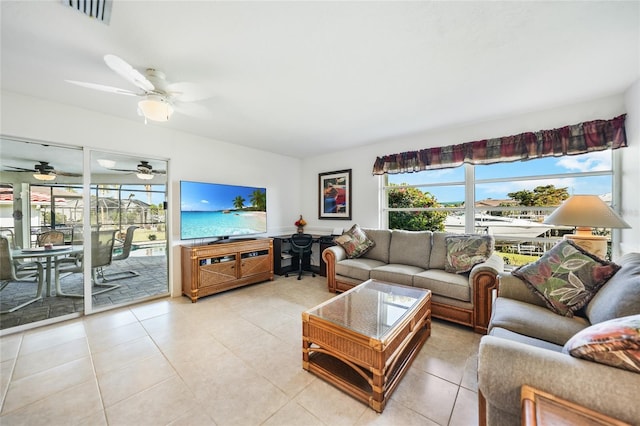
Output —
(586, 212)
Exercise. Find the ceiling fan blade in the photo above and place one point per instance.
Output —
(121, 67)
(188, 92)
(193, 110)
(22, 169)
(103, 88)
(59, 173)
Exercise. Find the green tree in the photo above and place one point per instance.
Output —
(547, 195)
(238, 202)
(259, 200)
(414, 220)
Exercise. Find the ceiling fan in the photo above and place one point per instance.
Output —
(159, 98)
(44, 171)
(144, 170)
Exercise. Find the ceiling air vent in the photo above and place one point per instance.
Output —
(98, 9)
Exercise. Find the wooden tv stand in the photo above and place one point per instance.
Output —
(214, 268)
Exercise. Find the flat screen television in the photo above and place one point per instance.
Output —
(209, 210)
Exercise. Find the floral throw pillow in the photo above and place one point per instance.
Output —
(566, 277)
(355, 242)
(615, 342)
(466, 251)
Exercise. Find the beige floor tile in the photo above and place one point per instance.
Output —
(195, 417)
(151, 309)
(161, 404)
(123, 354)
(53, 335)
(444, 363)
(35, 387)
(9, 346)
(235, 332)
(426, 394)
(465, 410)
(36, 362)
(292, 414)
(189, 348)
(329, 404)
(225, 360)
(134, 377)
(100, 340)
(74, 405)
(250, 402)
(108, 320)
(394, 414)
(6, 371)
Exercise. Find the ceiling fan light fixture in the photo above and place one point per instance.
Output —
(44, 176)
(156, 108)
(144, 176)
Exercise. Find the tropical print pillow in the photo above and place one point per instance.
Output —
(466, 251)
(566, 277)
(615, 342)
(355, 242)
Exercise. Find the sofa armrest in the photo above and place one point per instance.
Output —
(505, 365)
(512, 287)
(332, 255)
(483, 280)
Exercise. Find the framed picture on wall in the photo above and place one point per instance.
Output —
(334, 189)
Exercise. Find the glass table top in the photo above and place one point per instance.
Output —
(372, 309)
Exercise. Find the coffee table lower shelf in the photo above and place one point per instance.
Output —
(358, 381)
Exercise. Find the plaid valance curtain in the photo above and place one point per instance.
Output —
(580, 138)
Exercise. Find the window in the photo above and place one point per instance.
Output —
(507, 200)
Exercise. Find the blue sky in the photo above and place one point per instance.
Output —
(198, 196)
(597, 185)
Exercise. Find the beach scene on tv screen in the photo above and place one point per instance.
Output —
(216, 210)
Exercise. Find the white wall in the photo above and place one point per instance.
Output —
(630, 203)
(366, 187)
(191, 157)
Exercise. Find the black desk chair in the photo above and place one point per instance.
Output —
(301, 248)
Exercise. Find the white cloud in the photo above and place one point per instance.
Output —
(592, 162)
(204, 201)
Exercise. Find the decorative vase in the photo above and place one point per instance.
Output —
(300, 229)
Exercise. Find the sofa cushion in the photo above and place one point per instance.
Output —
(410, 248)
(357, 268)
(535, 321)
(620, 296)
(444, 284)
(466, 251)
(615, 342)
(382, 238)
(566, 277)
(438, 250)
(395, 273)
(354, 242)
(508, 334)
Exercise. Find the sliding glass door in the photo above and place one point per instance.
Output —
(101, 240)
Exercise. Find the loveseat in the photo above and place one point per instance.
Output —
(419, 259)
(580, 358)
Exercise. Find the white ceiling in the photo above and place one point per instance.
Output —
(301, 78)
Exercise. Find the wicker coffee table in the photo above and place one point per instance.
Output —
(364, 340)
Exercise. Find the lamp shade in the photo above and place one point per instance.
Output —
(156, 108)
(586, 211)
(144, 176)
(44, 176)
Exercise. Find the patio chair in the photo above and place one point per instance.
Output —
(126, 250)
(55, 238)
(101, 256)
(12, 272)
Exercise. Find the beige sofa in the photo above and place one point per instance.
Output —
(417, 259)
(524, 346)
